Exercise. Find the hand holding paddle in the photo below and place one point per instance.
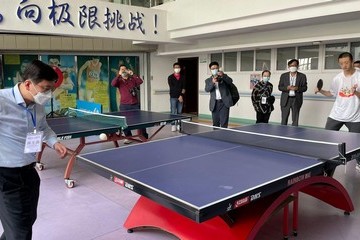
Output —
(319, 86)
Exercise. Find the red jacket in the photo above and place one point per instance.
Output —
(125, 86)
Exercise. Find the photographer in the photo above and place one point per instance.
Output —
(128, 83)
(220, 98)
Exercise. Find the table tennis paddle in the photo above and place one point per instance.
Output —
(319, 84)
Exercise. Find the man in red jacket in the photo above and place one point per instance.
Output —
(128, 84)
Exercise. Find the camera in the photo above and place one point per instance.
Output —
(133, 91)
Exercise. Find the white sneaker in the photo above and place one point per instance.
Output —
(357, 167)
(173, 128)
(127, 141)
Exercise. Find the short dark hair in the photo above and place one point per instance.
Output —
(53, 56)
(37, 71)
(213, 63)
(262, 74)
(293, 60)
(122, 65)
(346, 54)
(176, 64)
(357, 61)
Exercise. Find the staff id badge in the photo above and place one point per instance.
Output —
(33, 142)
(263, 100)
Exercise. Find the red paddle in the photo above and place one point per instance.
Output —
(60, 77)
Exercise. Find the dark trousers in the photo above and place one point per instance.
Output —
(128, 107)
(285, 112)
(262, 117)
(19, 195)
(332, 124)
(220, 115)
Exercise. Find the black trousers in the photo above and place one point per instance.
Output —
(19, 195)
(220, 115)
(295, 111)
(262, 117)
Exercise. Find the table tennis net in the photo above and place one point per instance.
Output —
(98, 117)
(303, 147)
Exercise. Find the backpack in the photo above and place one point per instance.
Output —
(234, 93)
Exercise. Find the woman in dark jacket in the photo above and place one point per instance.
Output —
(262, 99)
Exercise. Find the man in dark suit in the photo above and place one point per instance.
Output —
(220, 98)
(292, 85)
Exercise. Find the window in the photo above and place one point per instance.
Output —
(283, 56)
(263, 60)
(308, 57)
(355, 50)
(247, 61)
(216, 57)
(332, 52)
(230, 60)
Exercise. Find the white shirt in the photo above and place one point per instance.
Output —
(292, 83)
(217, 91)
(347, 105)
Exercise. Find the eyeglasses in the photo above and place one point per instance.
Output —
(43, 88)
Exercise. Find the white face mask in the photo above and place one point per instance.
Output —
(214, 71)
(266, 79)
(176, 70)
(42, 98)
(293, 69)
(357, 68)
(124, 74)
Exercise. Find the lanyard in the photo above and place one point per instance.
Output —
(33, 115)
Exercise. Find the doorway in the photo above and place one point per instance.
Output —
(190, 67)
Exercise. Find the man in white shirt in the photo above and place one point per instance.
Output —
(346, 89)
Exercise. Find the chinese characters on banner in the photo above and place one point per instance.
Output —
(93, 19)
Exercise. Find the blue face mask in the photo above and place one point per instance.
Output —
(266, 79)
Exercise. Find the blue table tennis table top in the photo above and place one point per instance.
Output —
(201, 177)
(73, 127)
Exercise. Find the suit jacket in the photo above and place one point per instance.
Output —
(301, 83)
(223, 88)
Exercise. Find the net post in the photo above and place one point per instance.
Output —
(342, 152)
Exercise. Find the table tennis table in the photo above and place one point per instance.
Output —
(226, 183)
(81, 127)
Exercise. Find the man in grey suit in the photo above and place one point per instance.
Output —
(220, 97)
(292, 85)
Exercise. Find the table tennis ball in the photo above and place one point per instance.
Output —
(103, 136)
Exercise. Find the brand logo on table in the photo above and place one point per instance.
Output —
(64, 137)
(129, 186)
(241, 202)
(255, 196)
(298, 178)
(229, 208)
(118, 181)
